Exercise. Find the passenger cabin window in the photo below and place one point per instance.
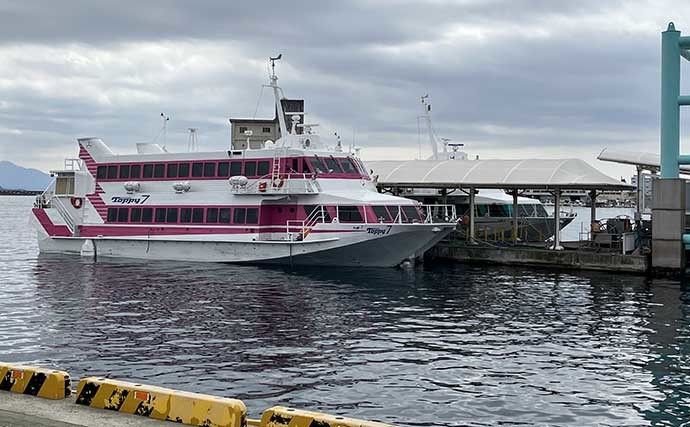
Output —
(172, 170)
(263, 168)
(395, 213)
(122, 215)
(186, 215)
(239, 216)
(349, 214)
(135, 172)
(209, 169)
(112, 214)
(295, 166)
(250, 169)
(212, 215)
(235, 168)
(225, 215)
(124, 171)
(147, 215)
(348, 167)
(102, 172)
(159, 171)
(197, 215)
(319, 216)
(112, 172)
(252, 215)
(136, 215)
(267, 130)
(172, 215)
(197, 170)
(183, 170)
(160, 214)
(224, 169)
(148, 171)
(411, 213)
(64, 185)
(316, 164)
(382, 214)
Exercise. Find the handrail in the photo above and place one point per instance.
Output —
(65, 214)
(316, 216)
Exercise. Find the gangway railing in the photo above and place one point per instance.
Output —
(304, 227)
(286, 183)
(71, 224)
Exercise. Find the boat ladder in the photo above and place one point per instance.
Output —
(305, 226)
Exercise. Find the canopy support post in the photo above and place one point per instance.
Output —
(515, 216)
(592, 211)
(639, 194)
(472, 213)
(557, 222)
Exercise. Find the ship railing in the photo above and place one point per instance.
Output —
(71, 224)
(300, 229)
(439, 214)
(43, 200)
(74, 164)
(285, 183)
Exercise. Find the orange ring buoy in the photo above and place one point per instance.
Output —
(262, 186)
(76, 202)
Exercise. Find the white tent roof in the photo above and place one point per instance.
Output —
(504, 174)
(647, 161)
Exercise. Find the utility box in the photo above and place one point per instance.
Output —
(668, 225)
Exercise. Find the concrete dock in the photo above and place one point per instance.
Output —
(531, 256)
(18, 410)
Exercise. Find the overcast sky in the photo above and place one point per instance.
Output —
(510, 79)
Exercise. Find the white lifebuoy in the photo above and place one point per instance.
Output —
(278, 182)
(76, 202)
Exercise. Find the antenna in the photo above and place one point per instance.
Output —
(273, 63)
(165, 128)
(193, 144)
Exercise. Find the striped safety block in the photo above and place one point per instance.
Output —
(161, 403)
(280, 416)
(40, 382)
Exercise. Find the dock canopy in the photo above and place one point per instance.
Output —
(500, 174)
(647, 161)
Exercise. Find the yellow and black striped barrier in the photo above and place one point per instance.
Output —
(41, 382)
(161, 403)
(280, 416)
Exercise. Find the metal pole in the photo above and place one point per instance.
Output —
(515, 216)
(592, 209)
(472, 213)
(670, 111)
(638, 201)
(557, 222)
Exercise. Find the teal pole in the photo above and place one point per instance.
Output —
(670, 110)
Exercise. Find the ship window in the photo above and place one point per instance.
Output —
(186, 215)
(333, 166)
(198, 215)
(159, 170)
(223, 169)
(124, 171)
(136, 215)
(395, 212)
(250, 169)
(295, 165)
(183, 170)
(122, 215)
(482, 210)
(212, 215)
(252, 216)
(243, 129)
(101, 172)
(348, 167)
(148, 171)
(541, 212)
(267, 130)
(349, 214)
(316, 164)
(235, 168)
(135, 171)
(263, 168)
(172, 170)
(305, 166)
(308, 209)
(112, 172)
(112, 214)
(239, 216)
(172, 215)
(147, 215)
(381, 213)
(411, 213)
(160, 214)
(197, 169)
(225, 215)
(209, 169)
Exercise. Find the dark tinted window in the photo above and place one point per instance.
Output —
(250, 169)
(112, 172)
(252, 215)
(148, 171)
(295, 166)
(147, 215)
(183, 170)
(235, 168)
(123, 215)
(172, 215)
(212, 215)
(305, 166)
(135, 171)
(394, 211)
(263, 168)
(136, 215)
(198, 215)
(197, 169)
(160, 214)
(186, 215)
(411, 213)
(172, 170)
(225, 215)
(308, 209)
(349, 214)
(316, 164)
(333, 165)
(159, 171)
(112, 214)
(381, 213)
(101, 172)
(239, 216)
(209, 169)
(224, 169)
(348, 167)
(124, 171)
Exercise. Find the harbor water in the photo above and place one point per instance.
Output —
(446, 345)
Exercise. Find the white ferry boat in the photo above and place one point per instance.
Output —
(294, 201)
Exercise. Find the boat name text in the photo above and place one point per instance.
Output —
(130, 200)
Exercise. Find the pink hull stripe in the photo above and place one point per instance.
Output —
(50, 228)
(123, 231)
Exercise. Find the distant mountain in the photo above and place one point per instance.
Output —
(18, 178)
